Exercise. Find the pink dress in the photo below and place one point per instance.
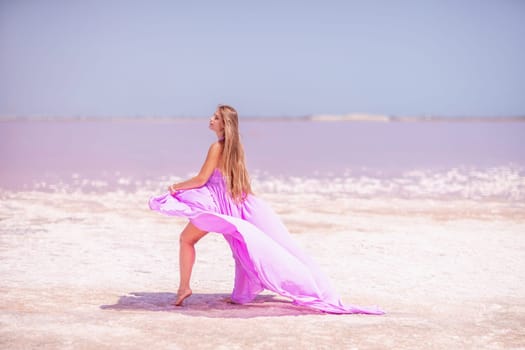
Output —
(266, 256)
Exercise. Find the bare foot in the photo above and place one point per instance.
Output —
(229, 300)
(181, 296)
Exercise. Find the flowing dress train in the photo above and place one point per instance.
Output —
(265, 254)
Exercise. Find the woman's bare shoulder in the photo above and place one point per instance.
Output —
(216, 146)
(215, 149)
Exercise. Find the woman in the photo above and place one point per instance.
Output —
(220, 199)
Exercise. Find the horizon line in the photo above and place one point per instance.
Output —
(312, 117)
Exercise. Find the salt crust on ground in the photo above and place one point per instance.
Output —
(99, 271)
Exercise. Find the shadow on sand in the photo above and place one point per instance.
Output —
(210, 305)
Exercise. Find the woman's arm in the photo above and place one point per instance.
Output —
(211, 162)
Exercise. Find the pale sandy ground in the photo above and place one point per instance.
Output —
(88, 271)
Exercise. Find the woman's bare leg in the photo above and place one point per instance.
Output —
(189, 236)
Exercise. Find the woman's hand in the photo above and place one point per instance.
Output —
(172, 189)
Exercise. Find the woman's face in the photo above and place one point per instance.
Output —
(216, 122)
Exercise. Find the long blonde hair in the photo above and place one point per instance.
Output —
(233, 161)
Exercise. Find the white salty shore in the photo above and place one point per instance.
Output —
(99, 271)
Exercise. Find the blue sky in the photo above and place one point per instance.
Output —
(267, 58)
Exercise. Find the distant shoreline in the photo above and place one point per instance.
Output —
(309, 118)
